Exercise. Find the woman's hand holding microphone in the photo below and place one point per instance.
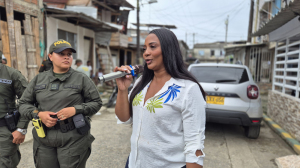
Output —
(124, 82)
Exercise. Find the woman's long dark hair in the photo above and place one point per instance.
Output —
(173, 63)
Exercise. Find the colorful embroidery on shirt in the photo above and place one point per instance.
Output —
(172, 91)
(154, 103)
(137, 99)
(157, 103)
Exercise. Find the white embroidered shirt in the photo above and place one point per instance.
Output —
(169, 128)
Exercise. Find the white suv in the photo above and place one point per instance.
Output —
(232, 95)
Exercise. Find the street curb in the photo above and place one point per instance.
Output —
(284, 135)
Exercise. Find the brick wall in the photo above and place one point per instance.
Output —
(24, 6)
(285, 110)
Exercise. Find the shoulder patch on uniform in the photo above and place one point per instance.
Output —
(6, 81)
(39, 87)
(72, 86)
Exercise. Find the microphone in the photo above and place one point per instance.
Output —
(114, 75)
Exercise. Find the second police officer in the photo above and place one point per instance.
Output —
(12, 128)
(59, 97)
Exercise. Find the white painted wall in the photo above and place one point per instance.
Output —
(52, 35)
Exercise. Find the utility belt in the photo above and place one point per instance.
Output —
(64, 125)
(10, 120)
(78, 121)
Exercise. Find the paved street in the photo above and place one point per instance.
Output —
(225, 146)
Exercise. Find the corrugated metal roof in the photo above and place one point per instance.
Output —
(243, 45)
(122, 3)
(156, 25)
(81, 19)
(282, 17)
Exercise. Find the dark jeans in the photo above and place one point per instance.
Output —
(127, 163)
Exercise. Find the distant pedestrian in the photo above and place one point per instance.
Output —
(66, 99)
(82, 68)
(89, 64)
(166, 108)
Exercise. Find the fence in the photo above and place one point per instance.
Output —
(286, 67)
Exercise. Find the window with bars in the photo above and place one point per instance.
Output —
(286, 67)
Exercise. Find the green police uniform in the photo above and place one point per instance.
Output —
(73, 89)
(53, 92)
(12, 84)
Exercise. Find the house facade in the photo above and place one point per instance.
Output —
(95, 28)
(209, 52)
(112, 47)
(257, 53)
(283, 29)
(78, 25)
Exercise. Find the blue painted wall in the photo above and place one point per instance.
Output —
(276, 6)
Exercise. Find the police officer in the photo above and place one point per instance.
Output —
(61, 94)
(12, 84)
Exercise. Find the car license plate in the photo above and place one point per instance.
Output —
(215, 100)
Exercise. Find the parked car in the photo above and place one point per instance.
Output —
(232, 95)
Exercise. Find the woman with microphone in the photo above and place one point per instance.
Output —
(166, 108)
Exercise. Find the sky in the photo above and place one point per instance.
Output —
(205, 18)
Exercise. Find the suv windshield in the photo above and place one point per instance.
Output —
(230, 75)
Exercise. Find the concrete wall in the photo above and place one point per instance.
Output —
(52, 35)
(285, 110)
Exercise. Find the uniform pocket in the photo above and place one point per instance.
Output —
(80, 151)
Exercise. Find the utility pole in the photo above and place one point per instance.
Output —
(247, 56)
(193, 44)
(256, 19)
(250, 21)
(226, 23)
(186, 37)
(193, 39)
(138, 33)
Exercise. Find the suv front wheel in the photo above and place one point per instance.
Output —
(252, 132)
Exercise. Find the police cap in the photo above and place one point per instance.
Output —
(60, 45)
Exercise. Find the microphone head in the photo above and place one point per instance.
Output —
(138, 69)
